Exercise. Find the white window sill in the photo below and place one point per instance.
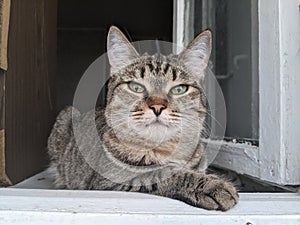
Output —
(20, 206)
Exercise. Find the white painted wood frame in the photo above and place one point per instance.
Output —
(65, 207)
(279, 90)
(278, 42)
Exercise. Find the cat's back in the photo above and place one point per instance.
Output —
(61, 132)
(63, 129)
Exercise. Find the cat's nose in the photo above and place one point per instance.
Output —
(157, 104)
(157, 109)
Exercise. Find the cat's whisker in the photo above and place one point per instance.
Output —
(175, 115)
(133, 111)
(119, 121)
(137, 112)
(211, 116)
(137, 117)
(140, 114)
(176, 118)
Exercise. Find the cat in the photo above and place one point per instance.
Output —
(147, 138)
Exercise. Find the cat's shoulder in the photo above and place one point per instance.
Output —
(67, 114)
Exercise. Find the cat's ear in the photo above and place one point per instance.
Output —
(120, 52)
(196, 56)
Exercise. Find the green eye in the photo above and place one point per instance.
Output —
(135, 87)
(179, 89)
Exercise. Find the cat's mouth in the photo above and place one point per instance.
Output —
(156, 122)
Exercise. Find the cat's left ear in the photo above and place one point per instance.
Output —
(196, 56)
(120, 51)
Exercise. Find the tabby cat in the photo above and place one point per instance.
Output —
(147, 139)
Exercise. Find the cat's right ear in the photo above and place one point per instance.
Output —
(120, 51)
(196, 56)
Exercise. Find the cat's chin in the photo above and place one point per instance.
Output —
(157, 132)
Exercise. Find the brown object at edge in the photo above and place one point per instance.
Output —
(29, 86)
(4, 28)
(4, 180)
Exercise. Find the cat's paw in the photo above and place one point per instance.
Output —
(216, 194)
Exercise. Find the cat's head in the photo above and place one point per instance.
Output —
(153, 97)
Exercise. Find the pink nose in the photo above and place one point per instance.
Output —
(157, 109)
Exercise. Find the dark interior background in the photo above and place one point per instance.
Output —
(82, 29)
(235, 62)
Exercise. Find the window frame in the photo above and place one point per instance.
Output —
(276, 34)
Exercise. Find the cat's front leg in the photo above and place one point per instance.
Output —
(201, 190)
(197, 189)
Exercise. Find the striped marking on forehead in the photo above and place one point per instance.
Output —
(153, 68)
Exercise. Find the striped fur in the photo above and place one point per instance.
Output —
(127, 151)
